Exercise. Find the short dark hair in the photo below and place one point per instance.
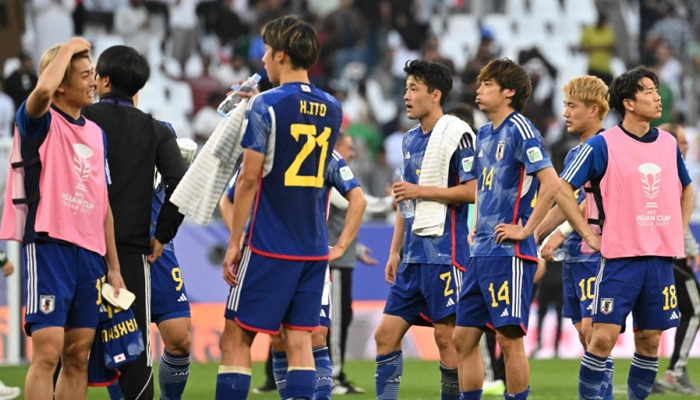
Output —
(626, 87)
(128, 71)
(296, 38)
(434, 74)
(463, 111)
(509, 75)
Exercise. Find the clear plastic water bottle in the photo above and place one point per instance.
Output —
(557, 255)
(405, 206)
(232, 100)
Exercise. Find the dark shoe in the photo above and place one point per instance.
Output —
(344, 387)
(266, 388)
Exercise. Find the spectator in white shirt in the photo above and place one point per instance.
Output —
(131, 23)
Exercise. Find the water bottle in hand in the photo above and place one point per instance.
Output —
(557, 255)
(405, 206)
(233, 99)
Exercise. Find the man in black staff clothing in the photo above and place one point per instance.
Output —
(137, 144)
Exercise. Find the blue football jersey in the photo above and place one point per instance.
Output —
(451, 247)
(572, 243)
(508, 157)
(338, 176)
(297, 125)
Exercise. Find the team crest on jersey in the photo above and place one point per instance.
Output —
(500, 149)
(48, 303)
(606, 305)
(346, 173)
(305, 88)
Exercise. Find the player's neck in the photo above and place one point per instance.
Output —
(68, 109)
(591, 131)
(427, 123)
(288, 75)
(499, 115)
(635, 125)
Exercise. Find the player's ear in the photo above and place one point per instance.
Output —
(437, 95)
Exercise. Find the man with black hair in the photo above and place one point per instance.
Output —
(638, 206)
(426, 283)
(138, 144)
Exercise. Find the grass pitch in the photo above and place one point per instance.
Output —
(550, 379)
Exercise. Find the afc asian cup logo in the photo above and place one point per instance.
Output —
(651, 177)
(82, 164)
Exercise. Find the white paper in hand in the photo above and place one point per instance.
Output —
(123, 301)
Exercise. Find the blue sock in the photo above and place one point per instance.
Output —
(324, 374)
(470, 395)
(591, 377)
(641, 377)
(279, 371)
(115, 392)
(388, 375)
(172, 375)
(609, 378)
(449, 383)
(232, 383)
(517, 396)
(300, 383)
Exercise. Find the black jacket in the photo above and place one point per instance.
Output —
(137, 144)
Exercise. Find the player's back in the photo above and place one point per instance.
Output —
(296, 126)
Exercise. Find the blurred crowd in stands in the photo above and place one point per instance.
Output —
(199, 48)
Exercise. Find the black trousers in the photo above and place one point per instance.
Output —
(136, 380)
(341, 317)
(688, 294)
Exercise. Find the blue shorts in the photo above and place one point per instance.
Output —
(644, 286)
(496, 292)
(326, 301)
(62, 283)
(578, 279)
(272, 291)
(423, 287)
(168, 294)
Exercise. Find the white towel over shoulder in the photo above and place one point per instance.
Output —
(200, 189)
(430, 215)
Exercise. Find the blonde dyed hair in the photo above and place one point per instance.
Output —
(50, 54)
(590, 90)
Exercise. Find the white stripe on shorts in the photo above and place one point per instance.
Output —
(242, 268)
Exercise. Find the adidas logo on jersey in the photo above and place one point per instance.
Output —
(407, 156)
(182, 298)
(674, 315)
(504, 313)
(481, 153)
(450, 302)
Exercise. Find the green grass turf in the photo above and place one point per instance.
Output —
(550, 379)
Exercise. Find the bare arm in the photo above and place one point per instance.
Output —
(111, 259)
(50, 79)
(549, 187)
(551, 221)
(687, 200)
(572, 212)
(463, 193)
(353, 219)
(392, 264)
(226, 208)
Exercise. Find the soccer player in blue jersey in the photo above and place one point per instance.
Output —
(289, 135)
(636, 272)
(426, 279)
(510, 165)
(338, 176)
(585, 106)
(63, 273)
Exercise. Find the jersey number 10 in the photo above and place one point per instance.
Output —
(291, 176)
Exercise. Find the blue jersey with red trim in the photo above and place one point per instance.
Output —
(296, 125)
(508, 157)
(451, 247)
(338, 176)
